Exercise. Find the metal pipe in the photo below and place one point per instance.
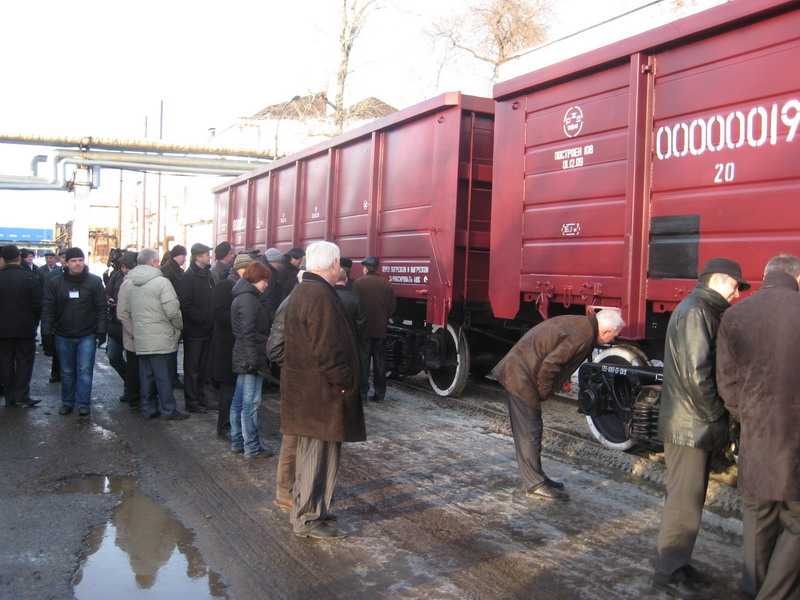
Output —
(119, 145)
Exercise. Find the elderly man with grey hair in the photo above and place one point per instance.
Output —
(153, 309)
(320, 403)
(537, 366)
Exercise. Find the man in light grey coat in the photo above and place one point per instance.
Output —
(155, 314)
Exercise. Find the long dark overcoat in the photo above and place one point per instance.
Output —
(378, 301)
(546, 356)
(221, 356)
(759, 379)
(319, 380)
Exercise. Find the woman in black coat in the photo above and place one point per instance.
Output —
(250, 326)
(222, 342)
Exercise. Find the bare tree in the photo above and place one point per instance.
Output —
(494, 31)
(354, 16)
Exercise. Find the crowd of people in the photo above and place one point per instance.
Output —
(331, 330)
(301, 320)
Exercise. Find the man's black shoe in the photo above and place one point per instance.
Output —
(681, 589)
(554, 484)
(176, 416)
(83, 411)
(375, 399)
(210, 405)
(29, 402)
(54, 379)
(322, 532)
(693, 575)
(200, 410)
(224, 435)
(178, 385)
(65, 409)
(548, 493)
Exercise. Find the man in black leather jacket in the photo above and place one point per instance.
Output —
(693, 422)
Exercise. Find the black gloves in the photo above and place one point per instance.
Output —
(49, 343)
(101, 339)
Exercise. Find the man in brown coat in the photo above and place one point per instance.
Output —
(378, 301)
(320, 403)
(537, 366)
(758, 378)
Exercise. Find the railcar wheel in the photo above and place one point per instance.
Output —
(450, 380)
(610, 429)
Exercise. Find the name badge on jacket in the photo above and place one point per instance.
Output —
(74, 294)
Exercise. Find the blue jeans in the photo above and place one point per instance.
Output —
(77, 368)
(244, 414)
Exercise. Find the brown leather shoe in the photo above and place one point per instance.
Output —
(322, 532)
(548, 493)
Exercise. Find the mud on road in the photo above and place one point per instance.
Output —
(432, 501)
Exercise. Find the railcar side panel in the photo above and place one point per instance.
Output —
(631, 172)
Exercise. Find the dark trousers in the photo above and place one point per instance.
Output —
(16, 364)
(286, 468)
(155, 371)
(315, 477)
(527, 428)
(687, 482)
(55, 367)
(195, 363)
(374, 350)
(132, 379)
(771, 548)
(224, 397)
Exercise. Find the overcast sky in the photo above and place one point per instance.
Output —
(101, 67)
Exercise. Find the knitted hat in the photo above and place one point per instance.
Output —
(178, 250)
(273, 255)
(242, 261)
(74, 253)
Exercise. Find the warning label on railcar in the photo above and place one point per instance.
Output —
(414, 274)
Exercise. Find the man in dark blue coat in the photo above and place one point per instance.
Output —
(21, 299)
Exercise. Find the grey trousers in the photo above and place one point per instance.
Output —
(687, 482)
(286, 468)
(771, 556)
(527, 427)
(315, 477)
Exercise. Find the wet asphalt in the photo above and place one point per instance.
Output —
(114, 506)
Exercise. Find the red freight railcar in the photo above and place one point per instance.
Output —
(413, 189)
(619, 172)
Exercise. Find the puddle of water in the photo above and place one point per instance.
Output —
(142, 552)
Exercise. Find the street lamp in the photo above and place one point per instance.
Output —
(277, 125)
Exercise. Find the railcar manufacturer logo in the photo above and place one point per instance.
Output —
(573, 121)
(570, 229)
